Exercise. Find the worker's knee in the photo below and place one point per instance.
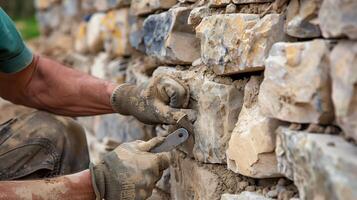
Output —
(56, 145)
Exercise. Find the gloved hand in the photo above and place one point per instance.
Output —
(158, 103)
(129, 172)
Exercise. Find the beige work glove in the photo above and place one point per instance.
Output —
(158, 103)
(129, 172)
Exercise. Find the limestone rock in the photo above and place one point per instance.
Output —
(296, 86)
(231, 8)
(322, 166)
(343, 61)
(244, 196)
(168, 37)
(140, 69)
(251, 1)
(80, 44)
(303, 22)
(49, 19)
(94, 34)
(45, 4)
(237, 43)
(116, 29)
(121, 128)
(217, 3)
(252, 144)
(106, 68)
(218, 102)
(338, 18)
(143, 7)
(136, 37)
(197, 14)
(104, 5)
(98, 68)
(192, 180)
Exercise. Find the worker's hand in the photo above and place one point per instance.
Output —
(130, 171)
(158, 103)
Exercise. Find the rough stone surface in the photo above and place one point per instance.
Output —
(303, 22)
(139, 70)
(45, 4)
(197, 14)
(251, 1)
(343, 61)
(338, 18)
(142, 7)
(116, 29)
(191, 180)
(136, 37)
(49, 19)
(168, 37)
(219, 2)
(80, 44)
(322, 166)
(94, 34)
(104, 5)
(218, 102)
(296, 85)
(236, 43)
(121, 128)
(252, 144)
(244, 196)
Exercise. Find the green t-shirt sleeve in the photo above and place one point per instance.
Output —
(14, 55)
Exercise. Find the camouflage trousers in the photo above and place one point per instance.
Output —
(41, 145)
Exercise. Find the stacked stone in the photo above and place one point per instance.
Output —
(274, 85)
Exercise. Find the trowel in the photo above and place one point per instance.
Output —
(177, 137)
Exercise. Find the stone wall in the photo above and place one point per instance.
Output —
(274, 84)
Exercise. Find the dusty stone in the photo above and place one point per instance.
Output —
(94, 34)
(143, 7)
(104, 5)
(191, 180)
(197, 14)
(140, 69)
(244, 196)
(252, 144)
(136, 36)
(116, 29)
(45, 4)
(231, 8)
(99, 65)
(218, 102)
(80, 44)
(218, 3)
(296, 85)
(322, 166)
(272, 193)
(251, 1)
(88, 6)
(49, 19)
(121, 128)
(168, 37)
(338, 18)
(343, 61)
(237, 43)
(303, 23)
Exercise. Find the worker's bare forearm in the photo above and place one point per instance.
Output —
(76, 186)
(48, 85)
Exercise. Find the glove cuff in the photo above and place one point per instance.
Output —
(119, 97)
